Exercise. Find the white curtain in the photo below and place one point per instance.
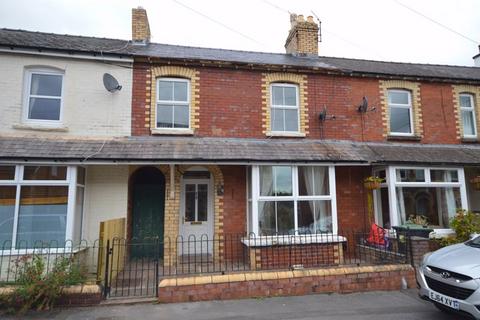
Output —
(451, 206)
(401, 206)
(266, 181)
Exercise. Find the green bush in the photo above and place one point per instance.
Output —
(465, 223)
(39, 288)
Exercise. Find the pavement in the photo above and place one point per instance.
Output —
(393, 305)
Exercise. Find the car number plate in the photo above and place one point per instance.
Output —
(447, 301)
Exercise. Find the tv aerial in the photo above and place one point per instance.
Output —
(363, 107)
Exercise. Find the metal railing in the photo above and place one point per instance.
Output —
(135, 267)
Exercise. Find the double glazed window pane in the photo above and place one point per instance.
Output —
(171, 90)
(444, 175)
(46, 85)
(7, 214)
(284, 95)
(438, 204)
(468, 122)
(42, 216)
(284, 119)
(45, 97)
(276, 217)
(400, 120)
(410, 175)
(313, 181)
(44, 173)
(196, 202)
(314, 216)
(398, 97)
(7, 172)
(172, 116)
(275, 181)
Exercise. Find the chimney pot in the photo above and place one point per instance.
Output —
(140, 26)
(301, 18)
(310, 19)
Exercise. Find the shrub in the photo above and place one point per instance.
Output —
(37, 287)
(465, 223)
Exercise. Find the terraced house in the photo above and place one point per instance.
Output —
(212, 160)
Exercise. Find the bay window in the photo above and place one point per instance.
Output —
(40, 205)
(436, 193)
(292, 200)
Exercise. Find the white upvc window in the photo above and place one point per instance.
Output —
(40, 206)
(173, 103)
(43, 94)
(292, 200)
(436, 193)
(400, 112)
(467, 109)
(284, 108)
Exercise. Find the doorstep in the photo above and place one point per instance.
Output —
(284, 283)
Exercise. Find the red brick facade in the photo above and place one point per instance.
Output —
(230, 105)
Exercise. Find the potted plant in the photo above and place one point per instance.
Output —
(417, 219)
(372, 182)
(476, 182)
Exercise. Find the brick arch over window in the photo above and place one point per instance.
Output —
(466, 89)
(292, 78)
(414, 88)
(177, 72)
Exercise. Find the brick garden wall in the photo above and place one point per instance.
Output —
(286, 283)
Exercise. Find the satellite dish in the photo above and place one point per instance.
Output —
(363, 107)
(110, 83)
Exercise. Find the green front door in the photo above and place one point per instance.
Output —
(148, 204)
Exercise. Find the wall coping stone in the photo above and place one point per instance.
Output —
(275, 275)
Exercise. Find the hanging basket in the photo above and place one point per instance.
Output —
(476, 182)
(372, 185)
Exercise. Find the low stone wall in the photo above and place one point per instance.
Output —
(286, 283)
(80, 295)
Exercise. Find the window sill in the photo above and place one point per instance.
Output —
(267, 241)
(285, 134)
(469, 140)
(42, 251)
(179, 132)
(40, 127)
(403, 138)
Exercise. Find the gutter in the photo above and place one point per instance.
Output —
(79, 55)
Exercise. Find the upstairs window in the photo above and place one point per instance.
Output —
(467, 109)
(284, 107)
(173, 103)
(44, 95)
(401, 113)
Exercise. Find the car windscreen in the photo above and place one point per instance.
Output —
(474, 242)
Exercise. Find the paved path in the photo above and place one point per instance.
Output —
(404, 305)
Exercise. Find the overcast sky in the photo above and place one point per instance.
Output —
(366, 29)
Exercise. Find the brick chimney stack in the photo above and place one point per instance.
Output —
(303, 36)
(140, 26)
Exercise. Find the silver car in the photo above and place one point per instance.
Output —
(450, 278)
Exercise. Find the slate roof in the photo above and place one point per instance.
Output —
(48, 41)
(228, 150)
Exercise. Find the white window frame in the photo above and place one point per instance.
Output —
(283, 107)
(18, 182)
(408, 106)
(27, 96)
(392, 184)
(295, 197)
(471, 109)
(173, 103)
